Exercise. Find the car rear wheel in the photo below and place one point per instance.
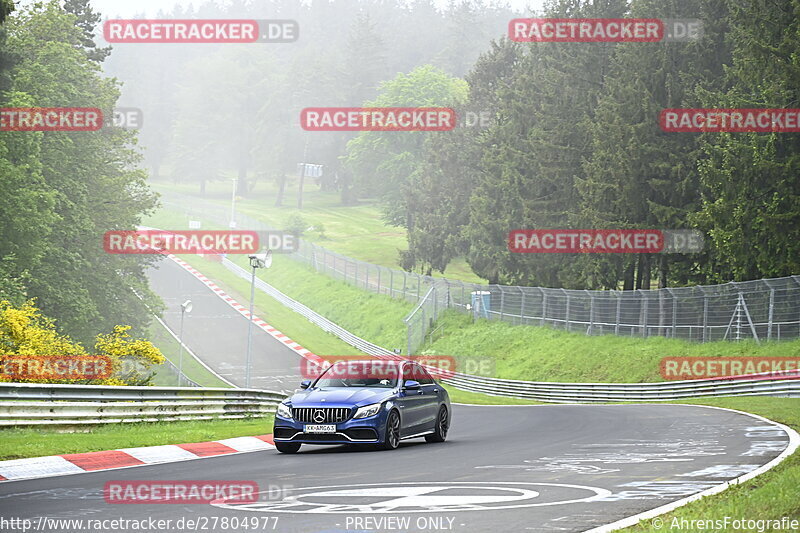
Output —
(287, 447)
(392, 438)
(442, 425)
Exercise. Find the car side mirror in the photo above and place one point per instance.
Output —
(306, 383)
(411, 385)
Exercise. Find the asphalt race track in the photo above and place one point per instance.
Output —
(556, 468)
(521, 468)
(217, 333)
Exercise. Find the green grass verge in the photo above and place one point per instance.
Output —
(545, 354)
(18, 443)
(355, 231)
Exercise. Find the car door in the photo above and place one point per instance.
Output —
(412, 404)
(431, 394)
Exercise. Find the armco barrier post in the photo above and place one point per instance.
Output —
(705, 314)
(771, 311)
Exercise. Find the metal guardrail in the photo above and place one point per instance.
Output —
(26, 404)
(624, 392)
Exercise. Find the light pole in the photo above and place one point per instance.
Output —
(186, 307)
(262, 260)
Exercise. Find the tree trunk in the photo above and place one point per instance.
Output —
(643, 272)
(627, 283)
(663, 272)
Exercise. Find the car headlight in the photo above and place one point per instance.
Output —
(284, 411)
(368, 410)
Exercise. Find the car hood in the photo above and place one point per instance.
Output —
(332, 396)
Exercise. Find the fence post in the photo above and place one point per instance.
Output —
(566, 311)
(408, 338)
(378, 267)
(419, 281)
(544, 304)
(591, 312)
(674, 311)
(405, 279)
(366, 279)
(435, 304)
(522, 306)
(705, 315)
(391, 283)
(644, 311)
(502, 301)
(619, 309)
(771, 312)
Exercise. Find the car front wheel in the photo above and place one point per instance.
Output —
(442, 425)
(392, 438)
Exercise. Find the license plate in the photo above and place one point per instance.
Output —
(320, 428)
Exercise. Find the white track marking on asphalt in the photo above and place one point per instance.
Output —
(658, 490)
(52, 465)
(794, 442)
(764, 447)
(412, 497)
(721, 471)
(159, 454)
(764, 431)
(246, 444)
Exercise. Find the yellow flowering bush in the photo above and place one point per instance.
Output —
(26, 336)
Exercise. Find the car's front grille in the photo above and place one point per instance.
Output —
(320, 415)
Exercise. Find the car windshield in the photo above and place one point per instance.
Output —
(359, 374)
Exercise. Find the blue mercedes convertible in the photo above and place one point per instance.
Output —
(378, 402)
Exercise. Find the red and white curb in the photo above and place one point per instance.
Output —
(79, 463)
(258, 322)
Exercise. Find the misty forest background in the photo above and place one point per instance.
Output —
(573, 140)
